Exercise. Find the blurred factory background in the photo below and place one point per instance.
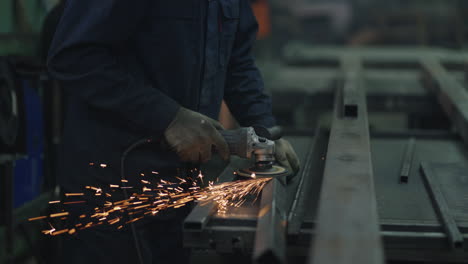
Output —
(300, 47)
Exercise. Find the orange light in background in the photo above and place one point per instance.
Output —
(261, 10)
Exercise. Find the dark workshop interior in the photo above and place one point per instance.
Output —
(233, 131)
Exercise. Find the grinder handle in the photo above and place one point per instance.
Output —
(272, 133)
(237, 141)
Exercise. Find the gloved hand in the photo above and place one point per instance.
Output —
(286, 156)
(192, 136)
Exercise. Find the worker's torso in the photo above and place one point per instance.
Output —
(182, 48)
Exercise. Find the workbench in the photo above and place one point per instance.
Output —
(364, 194)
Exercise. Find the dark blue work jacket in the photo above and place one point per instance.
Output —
(127, 66)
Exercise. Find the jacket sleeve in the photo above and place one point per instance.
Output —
(244, 91)
(83, 57)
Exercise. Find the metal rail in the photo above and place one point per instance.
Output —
(407, 161)
(270, 237)
(200, 215)
(301, 200)
(451, 94)
(441, 207)
(348, 227)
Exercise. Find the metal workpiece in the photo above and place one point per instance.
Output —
(440, 205)
(450, 93)
(199, 216)
(270, 237)
(312, 166)
(351, 82)
(407, 161)
(347, 218)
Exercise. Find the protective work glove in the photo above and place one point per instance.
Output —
(286, 156)
(193, 135)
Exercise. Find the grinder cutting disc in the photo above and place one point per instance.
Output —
(274, 171)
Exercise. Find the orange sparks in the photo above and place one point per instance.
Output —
(37, 218)
(75, 202)
(59, 215)
(56, 233)
(165, 195)
(103, 165)
(74, 194)
(111, 222)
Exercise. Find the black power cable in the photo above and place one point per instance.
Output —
(136, 144)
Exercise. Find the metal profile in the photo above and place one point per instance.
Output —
(348, 226)
(352, 82)
(407, 161)
(270, 237)
(200, 215)
(451, 94)
(441, 207)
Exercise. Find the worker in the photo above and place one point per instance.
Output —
(156, 69)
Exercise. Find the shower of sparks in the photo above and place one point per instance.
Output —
(153, 198)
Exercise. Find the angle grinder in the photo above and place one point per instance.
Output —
(257, 142)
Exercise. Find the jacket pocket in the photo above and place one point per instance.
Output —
(229, 21)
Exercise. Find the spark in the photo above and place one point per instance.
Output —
(103, 165)
(59, 215)
(74, 194)
(200, 176)
(37, 218)
(149, 202)
(74, 202)
(50, 231)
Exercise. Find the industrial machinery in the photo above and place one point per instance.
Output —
(368, 191)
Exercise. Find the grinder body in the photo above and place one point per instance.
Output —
(258, 142)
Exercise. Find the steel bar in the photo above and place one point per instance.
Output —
(451, 94)
(270, 237)
(407, 161)
(441, 207)
(311, 164)
(352, 82)
(200, 215)
(348, 226)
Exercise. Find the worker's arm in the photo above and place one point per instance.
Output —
(83, 57)
(244, 92)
